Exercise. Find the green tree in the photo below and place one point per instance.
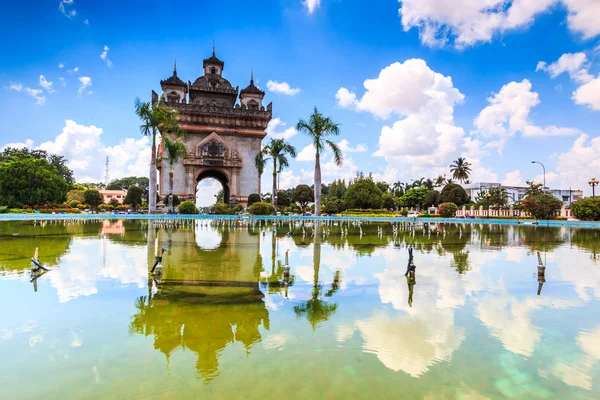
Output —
(389, 201)
(541, 206)
(277, 151)
(461, 169)
(134, 196)
(448, 210)
(453, 193)
(414, 197)
(363, 194)
(124, 183)
(58, 162)
(431, 198)
(253, 198)
(318, 128)
(587, 209)
(303, 195)
(173, 151)
(533, 189)
(261, 208)
(498, 197)
(156, 119)
(331, 206)
(282, 199)
(383, 186)
(30, 181)
(93, 198)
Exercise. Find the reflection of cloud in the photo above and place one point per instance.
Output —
(305, 272)
(35, 340)
(207, 238)
(278, 341)
(89, 261)
(589, 342)
(411, 344)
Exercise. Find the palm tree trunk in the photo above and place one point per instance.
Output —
(171, 187)
(317, 185)
(274, 186)
(152, 178)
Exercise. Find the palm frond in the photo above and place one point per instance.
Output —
(338, 157)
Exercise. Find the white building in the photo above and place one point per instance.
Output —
(517, 193)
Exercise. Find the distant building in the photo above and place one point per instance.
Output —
(118, 195)
(517, 193)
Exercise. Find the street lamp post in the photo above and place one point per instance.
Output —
(544, 168)
(593, 183)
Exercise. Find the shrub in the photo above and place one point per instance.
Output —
(176, 200)
(237, 208)
(3, 209)
(331, 207)
(431, 198)
(121, 208)
(75, 195)
(404, 212)
(221, 208)
(188, 207)
(389, 201)
(587, 209)
(74, 204)
(448, 210)
(261, 208)
(105, 207)
(253, 198)
(453, 193)
(541, 206)
(82, 206)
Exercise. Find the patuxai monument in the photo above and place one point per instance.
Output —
(222, 136)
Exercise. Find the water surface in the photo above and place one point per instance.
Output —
(477, 321)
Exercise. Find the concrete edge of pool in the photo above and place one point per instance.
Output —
(162, 217)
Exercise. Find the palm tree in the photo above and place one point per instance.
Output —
(174, 150)
(277, 150)
(460, 169)
(156, 118)
(318, 128)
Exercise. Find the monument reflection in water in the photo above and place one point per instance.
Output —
(481, 315)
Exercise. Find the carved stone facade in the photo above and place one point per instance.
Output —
(222, 136)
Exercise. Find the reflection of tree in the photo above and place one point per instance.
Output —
(461, 262)
(587, 239)
(543, 238)
(203, 319)
(52, 239)
(316, 310)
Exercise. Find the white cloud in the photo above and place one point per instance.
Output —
(86, 22)
(66, 7)
(508, 114)
(85, 150)
(575, 64)
(307, 153)
(344, 145)
(345, 98)
(72, 71)
(46, 84)
(16, 86)
(311, 5)
(206, 192)
(513, 178)
(61, 65)
(469, 22)
(104, 56)
(62, 81)
(286, 134)
(589, 94)
(18, 145)
(424, 140)
(36, 94)
(282, 88)
(86, 82)
(577, 165)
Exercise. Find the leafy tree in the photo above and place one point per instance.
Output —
(58, 162)
(453, 193)
(431, 198)
(156, 118)
(363, 193)
(282, 199)
(188, 207)
(383, 186)
(414, 197)
(399, 188)
(337, 188)
(461, 169)
(261, 208)
(389, 201)
(75, 195)
(253, 198)
(448, 210)
(428, 183)
(221, 208)
(498, 197)
(28, 181)
(134, 196)
(303, 195)
(318, 128)
(277, 151)
(176, 200)
(173, 150)
(219, 197)
(74, 203)
(541, 206)
(331, 206)
(587, 209)
(93, 198)
(124, 183)
(533, 189)
(114, 202)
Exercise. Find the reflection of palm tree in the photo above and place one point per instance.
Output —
(411, 280)
(335, 285)
(315, 309)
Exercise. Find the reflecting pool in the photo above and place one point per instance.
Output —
(490, 311)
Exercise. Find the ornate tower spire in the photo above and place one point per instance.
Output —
(175, 67)
(252, 76)
(213, 48)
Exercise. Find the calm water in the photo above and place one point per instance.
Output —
(221, 322)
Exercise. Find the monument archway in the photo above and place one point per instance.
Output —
(220, 177)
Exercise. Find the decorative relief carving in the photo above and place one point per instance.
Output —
(213, 149)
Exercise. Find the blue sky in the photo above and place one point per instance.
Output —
(434, 68)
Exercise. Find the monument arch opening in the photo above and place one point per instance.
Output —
(204, 186)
